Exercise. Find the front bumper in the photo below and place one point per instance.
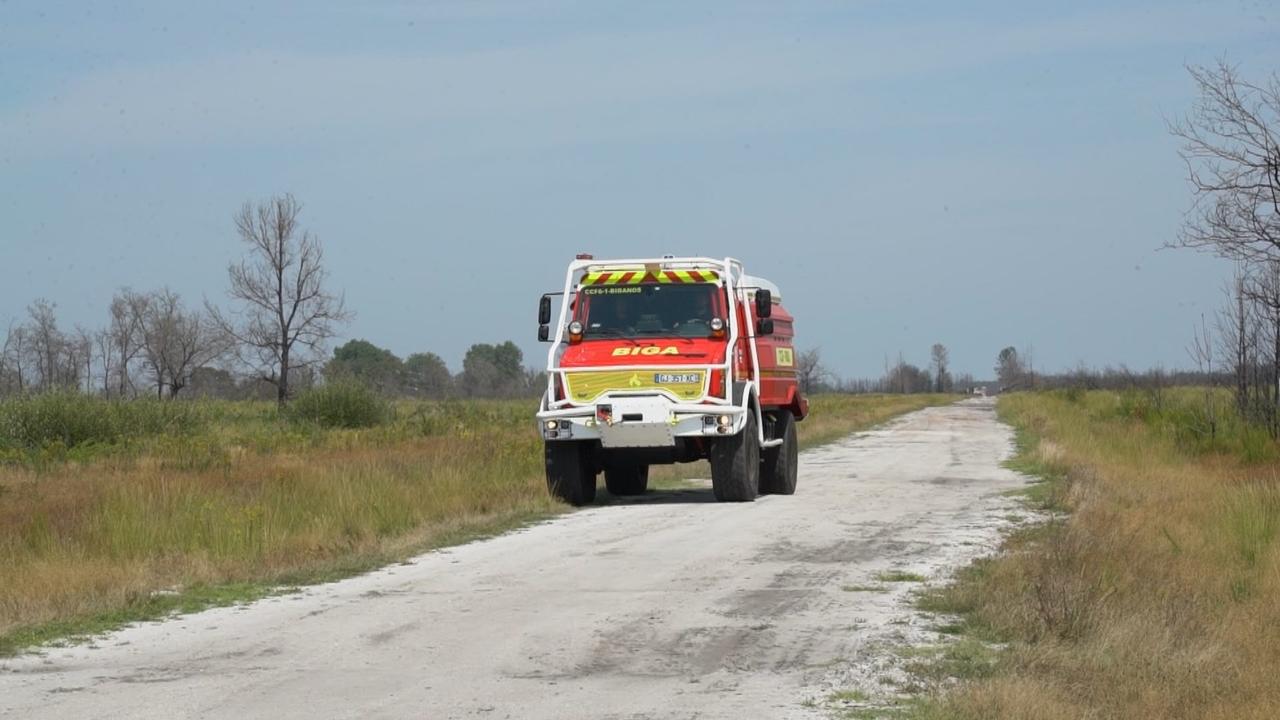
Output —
(640, 422)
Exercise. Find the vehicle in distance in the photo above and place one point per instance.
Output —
(668, 360)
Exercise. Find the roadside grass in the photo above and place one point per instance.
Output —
(1154, 589)
(898, 576)
(159, 510)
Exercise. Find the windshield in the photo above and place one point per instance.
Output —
(650, 310)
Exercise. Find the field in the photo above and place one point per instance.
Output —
(113, 512)
(1155, 590)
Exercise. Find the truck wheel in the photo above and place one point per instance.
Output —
(778, 472)
(627, 480)
(735, 464)
(570, 475)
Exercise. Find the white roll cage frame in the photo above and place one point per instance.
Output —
(731, 275)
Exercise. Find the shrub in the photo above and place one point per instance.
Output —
(343, 404)
(72, 419)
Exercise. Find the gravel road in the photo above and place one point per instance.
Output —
(672, 606)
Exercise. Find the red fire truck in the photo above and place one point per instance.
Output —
(658, 361)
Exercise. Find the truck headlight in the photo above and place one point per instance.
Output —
(557, 429)
(717, 328)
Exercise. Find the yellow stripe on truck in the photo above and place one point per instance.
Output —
(635, 276)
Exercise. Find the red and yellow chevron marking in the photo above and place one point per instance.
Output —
(635, 277)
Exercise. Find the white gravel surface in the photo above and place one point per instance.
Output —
(670, 606)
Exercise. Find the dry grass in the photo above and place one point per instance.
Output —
(1158, 596)
(98, 534)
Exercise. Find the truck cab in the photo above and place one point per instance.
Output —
(665, 360)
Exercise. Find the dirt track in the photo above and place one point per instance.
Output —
(670, 607)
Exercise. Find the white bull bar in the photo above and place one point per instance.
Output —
(657, 422)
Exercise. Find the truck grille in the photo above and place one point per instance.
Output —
(586, 386)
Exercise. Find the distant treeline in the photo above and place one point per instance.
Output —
(1014, 372)
(154, 346)
(487, 371)
(900, 377)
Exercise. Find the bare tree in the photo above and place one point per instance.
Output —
(11, 360)
(49, 346)
(1262, 289)
(809, 369)
(81, 348)
(1236, 325)
(175, 342)
(1201, 351)
(1231, 148)
(106, 357)
(939, 358)
(285, 313)
(128, 308)
(1009, 368)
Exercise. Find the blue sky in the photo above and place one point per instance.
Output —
(980, 176)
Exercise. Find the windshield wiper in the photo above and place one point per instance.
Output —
(612, 332)
(668, 334)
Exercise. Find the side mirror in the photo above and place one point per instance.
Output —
(764, 303)
(544, 310)
(544, 333)
(764, 326)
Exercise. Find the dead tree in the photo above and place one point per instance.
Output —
(939, 356)
(175, 342)
(128, 308)
(107, 357)
(1201, 351)
(809, 370)
(47, 342)
(11, 360)
(1236, 326)
(1263, 290)
(1009, 369)
(82, 349)
(1231, 147)
(284, 313)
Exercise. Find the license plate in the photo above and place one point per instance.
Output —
(677, 378)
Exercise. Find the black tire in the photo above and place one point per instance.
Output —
(735, 464)
(570, 474)
(627, 480)
(781, 463)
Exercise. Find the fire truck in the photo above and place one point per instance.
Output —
(668, 360)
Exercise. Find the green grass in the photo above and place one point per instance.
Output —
(967, 658)
(855, 704)
(897, 576)
(62, 426)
